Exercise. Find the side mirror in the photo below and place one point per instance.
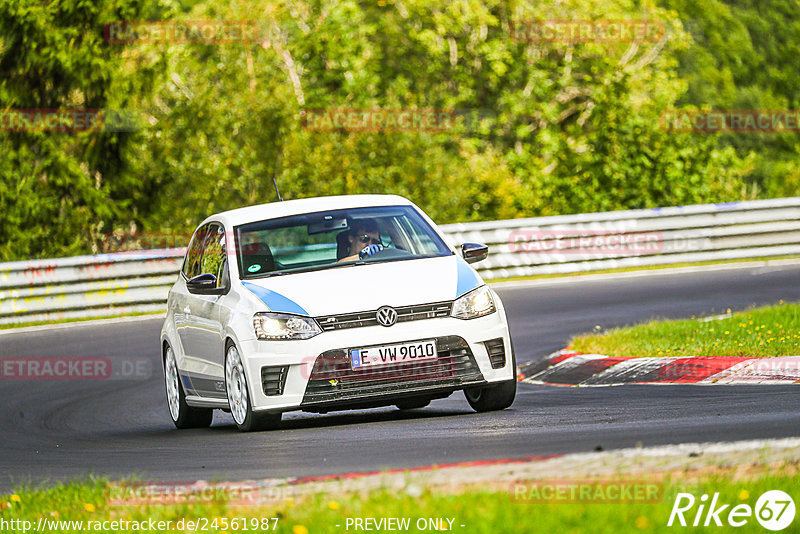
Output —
(474, 252)
(204, 284)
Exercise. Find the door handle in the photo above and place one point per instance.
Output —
(186, 310)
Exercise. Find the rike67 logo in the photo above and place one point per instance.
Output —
(774, 510)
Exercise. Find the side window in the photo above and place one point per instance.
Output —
(191, 265)
(213, 259)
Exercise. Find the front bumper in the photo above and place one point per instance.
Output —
(315, 374)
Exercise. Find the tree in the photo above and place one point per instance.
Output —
(59, 187)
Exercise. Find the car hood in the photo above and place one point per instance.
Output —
(366, 287)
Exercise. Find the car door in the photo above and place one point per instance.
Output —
(201, 334)
(180, 301)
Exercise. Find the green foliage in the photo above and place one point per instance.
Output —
(743, 57)
(58, 187)
(543, 128)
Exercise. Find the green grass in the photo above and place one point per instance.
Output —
(480, 510)
(759, 332)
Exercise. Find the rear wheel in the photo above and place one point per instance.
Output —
(493, 397)
(183, 415)
(239, 396)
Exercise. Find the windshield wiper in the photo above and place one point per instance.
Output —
(313, 268)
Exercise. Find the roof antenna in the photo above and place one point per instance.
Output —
(275, 182)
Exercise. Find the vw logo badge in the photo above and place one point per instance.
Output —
(386, 316)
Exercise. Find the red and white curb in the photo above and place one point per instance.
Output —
(570, 368)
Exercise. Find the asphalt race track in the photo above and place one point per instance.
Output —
(51, 430)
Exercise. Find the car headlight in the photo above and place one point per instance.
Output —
(476, 303)
(281, 326)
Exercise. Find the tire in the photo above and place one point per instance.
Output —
(493, 397)
(238, 393)
(412, 404)
(182, 415)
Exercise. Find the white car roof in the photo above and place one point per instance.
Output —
(304, 205)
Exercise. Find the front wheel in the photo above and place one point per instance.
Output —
(239, 396)
(183, 415)
(492, 397)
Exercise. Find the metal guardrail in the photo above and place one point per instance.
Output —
(87, 286)
(121, 283)
(733, 230)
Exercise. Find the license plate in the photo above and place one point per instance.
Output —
(396, 353)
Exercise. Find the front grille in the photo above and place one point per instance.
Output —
(273, 380)
(497, 352)
(332, 378)
(368, 318)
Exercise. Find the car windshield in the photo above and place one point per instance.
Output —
(337, 238)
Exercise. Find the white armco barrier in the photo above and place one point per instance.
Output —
(126, 282)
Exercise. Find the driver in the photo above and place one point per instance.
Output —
(364, 240)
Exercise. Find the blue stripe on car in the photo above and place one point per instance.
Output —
(467, 278)
(275, 301)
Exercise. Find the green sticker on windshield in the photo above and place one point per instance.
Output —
(254, 268)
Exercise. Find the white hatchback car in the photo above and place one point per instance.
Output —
(330, 303)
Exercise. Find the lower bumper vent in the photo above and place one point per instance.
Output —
(273, 380)
(497, 352)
